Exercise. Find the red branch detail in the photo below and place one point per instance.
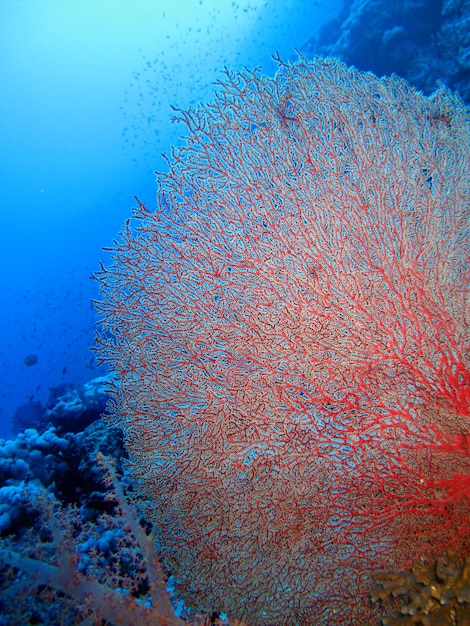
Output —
(289, 332)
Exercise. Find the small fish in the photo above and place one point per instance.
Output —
(31, 359)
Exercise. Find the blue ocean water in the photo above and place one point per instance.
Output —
(85, 107)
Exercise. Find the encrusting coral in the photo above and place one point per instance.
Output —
(434, 595)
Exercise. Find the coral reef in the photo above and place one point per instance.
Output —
(78, 554)
(76, 567)
(70, 408)
(434, 595)
(72, 547)
(28, 464)
(425, 41)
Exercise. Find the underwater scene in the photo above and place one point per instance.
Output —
(234, 349)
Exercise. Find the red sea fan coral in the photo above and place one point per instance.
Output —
(289, 334)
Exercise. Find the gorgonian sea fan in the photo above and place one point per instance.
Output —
(289, 336)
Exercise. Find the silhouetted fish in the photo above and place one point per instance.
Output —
(31, 359)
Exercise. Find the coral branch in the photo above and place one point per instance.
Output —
(289, 332)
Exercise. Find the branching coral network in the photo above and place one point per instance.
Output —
(289, 332)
